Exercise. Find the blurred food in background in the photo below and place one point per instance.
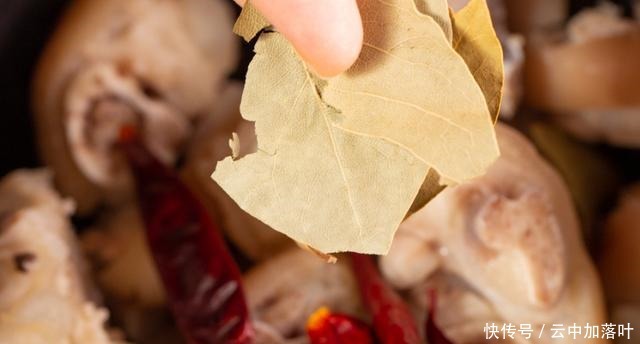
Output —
(620, 258)
(284, 291)
(586, 75)
(157, 64)
(505, 247)
(46, 295)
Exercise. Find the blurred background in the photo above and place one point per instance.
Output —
(25, 26)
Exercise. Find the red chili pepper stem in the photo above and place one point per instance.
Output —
(392, 320)
(201, 279)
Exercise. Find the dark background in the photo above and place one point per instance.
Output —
(25, 26)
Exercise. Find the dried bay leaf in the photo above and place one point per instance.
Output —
(475, 39)
(341, 161)
(234, 144)
(250, 22)
(430, 188)
(410, 87)
(439, 11)
(323, 186)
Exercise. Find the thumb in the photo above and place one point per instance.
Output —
(326, 33)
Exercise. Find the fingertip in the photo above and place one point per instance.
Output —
(338, 44)
(337, 52)
(327, 34)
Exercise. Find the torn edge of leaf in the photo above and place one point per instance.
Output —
(234, 144)
(250, 22)
(433, 184)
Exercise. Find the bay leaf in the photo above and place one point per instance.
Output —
(411, 88)
(323, 186)
(475, 39)
(341, 161)
(234, 144)
(430, 188)
(439, 11)
(250, 22)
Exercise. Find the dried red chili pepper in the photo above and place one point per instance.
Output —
(324, 327)
(434, 333)
(392, 320)
(201, 279)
